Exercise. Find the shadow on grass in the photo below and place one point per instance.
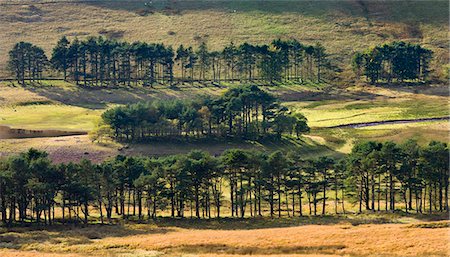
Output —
(259, 223)
(216, 146)
(228, 223)
(94, 97)
(327, 95)
(164, 224)
(418, 88)
(252, 250)
(16, 237)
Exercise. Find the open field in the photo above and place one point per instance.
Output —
(343, 27)
(323, 105)
(61, 149)
(375, 104)
(49, 117)
(360, 235)
(419, 131)
(342, 139)
(348, 112)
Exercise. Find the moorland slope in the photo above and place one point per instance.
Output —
(343, 27)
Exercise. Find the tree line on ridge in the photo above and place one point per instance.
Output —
(97, 61)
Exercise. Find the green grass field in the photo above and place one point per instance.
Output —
(79, 108)
(332, 113)
(342, 139)
(60, 117)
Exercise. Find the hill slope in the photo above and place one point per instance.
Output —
(342, 26)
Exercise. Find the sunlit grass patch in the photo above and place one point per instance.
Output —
(66, 85)
(334, 117)
(343, 139)
(440, 224)
(36, 117)
(329, 113)
(422, 132)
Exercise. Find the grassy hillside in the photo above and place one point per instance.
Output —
(342, 26)
(64, 106)
(346, 235)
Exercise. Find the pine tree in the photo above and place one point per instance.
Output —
(60, 56)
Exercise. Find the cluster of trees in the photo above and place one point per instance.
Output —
(98, 61)
(383, 171)
(256, 183)
(243, 111)
(27, 61)
(397, 61)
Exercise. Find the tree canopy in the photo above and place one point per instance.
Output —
(97, 61)
(243, 111)
(396, 61)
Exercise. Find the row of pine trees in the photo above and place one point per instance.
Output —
(243, 111)
(97, 61)
(239, 183)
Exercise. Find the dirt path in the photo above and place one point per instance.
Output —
(385, 122)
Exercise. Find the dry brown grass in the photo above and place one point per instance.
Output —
(60, 149)
(12, 95)
(74, 148)
(17, 253)
(342, 239)
(364, 240)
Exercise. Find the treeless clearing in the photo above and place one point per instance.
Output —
(60, 149)
(74, 148)
(362, 240)
(381, 108)
(342, 139)
(341, 239)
